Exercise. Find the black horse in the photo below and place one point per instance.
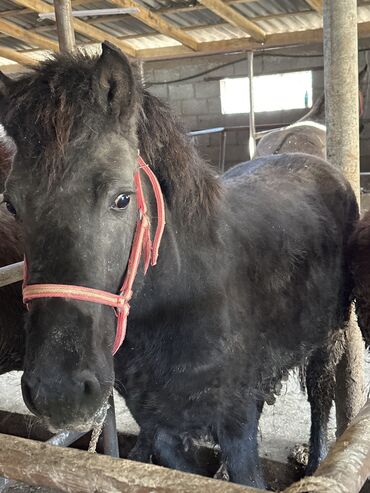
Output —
(319, 374)
(252, 274)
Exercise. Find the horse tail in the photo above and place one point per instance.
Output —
(359, 258)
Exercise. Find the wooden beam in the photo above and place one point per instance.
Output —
(71, 471)
(281, 40)
(79, 26)
(113, 18)
(233, 17)
(16, 56)
(156, 22)
(196, 6)
(28, 36)
(277, 474)
(315, 5)
(11, 273)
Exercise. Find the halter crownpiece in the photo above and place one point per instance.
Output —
(141, 243)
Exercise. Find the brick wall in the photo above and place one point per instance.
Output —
(197, 101)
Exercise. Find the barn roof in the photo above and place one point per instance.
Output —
(159, 29)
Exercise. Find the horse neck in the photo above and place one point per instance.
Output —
(180, 263)
(317, 112)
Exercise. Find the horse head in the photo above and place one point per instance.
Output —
(71, 188)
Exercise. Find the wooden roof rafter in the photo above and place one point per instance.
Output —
(156, 22)
(15, 56)
(81, 27)
(315, 5)
(279, 40)
(13, 30)
(233, 17)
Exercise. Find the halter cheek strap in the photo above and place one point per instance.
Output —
(142, 243)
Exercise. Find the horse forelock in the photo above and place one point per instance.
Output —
(47, 108)
(54, 108)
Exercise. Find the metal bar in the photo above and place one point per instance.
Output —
(63, 17)
(65, 438)
(206, 131)
(237, 128)
(222, 152)
(342, 149)
(11, 273)
(92, 12)
(252, 129)
(110, 437)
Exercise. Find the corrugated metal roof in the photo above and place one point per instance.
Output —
(272, 16)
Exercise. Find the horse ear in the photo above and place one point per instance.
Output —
(114, 81)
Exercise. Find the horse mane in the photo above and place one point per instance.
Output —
(7, 151)
(54, 105)
(186, 178)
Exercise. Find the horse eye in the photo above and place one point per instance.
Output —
(121, 202)
(10, 208)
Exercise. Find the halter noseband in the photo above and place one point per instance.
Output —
(141, 243)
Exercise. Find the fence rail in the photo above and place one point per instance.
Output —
(11, 273)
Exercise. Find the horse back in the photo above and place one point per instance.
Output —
(292, 216)
(307, 137)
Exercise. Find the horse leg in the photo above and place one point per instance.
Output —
(239, 448)
(143, 448)
(169, 451)
(320, 382)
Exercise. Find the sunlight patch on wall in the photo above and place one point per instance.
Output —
(276, 92)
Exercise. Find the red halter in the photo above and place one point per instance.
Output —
(141, 243)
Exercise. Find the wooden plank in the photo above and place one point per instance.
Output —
(277, 475)
(116, 17)
(79, 26)
(347, 465)
(28, 36)
(315, 5)
(156, 22)
(196, 6)
(313, 36)
(235, 18)
(11, 273)
(76, 471)
(16, 56)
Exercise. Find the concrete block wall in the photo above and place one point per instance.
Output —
(198, 103)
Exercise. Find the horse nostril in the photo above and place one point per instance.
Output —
(27, 396)
(90, 386)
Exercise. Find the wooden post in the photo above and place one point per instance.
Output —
(63, 17)
(342, 147)
(252, 129)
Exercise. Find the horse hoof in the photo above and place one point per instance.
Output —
(222, 473)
